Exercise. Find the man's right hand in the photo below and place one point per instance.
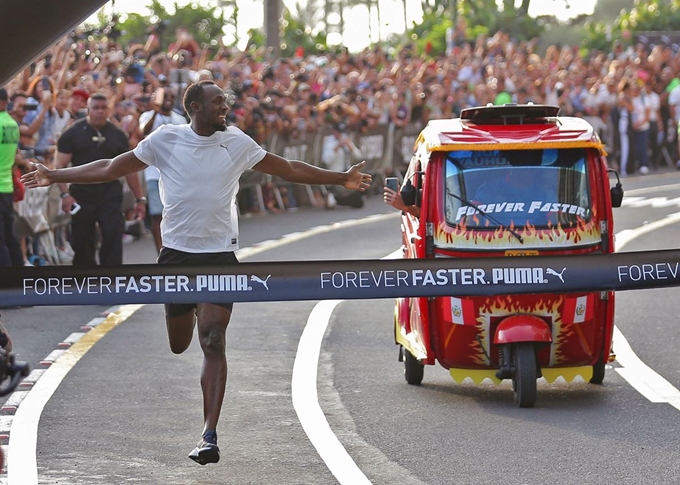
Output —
(67, 203)
(40, 177)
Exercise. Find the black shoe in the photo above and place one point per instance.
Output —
(206, 450)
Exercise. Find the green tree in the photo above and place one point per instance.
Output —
(644, 16)
(298, 34)
(482, 17)
(204, 23)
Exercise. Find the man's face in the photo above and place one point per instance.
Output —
(214, 108)
(77, 103)
(168, 101)
(19, 109)
(98, 111)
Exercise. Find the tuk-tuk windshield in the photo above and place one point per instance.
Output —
(517, 188)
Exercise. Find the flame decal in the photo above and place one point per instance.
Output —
(547, 306)
(581, 233)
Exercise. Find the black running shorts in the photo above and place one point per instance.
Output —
(173, 256)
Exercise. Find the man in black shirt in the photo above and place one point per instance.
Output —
(94, 138)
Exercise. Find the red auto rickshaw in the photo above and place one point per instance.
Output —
(511, 180)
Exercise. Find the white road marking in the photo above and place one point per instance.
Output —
(627, 235)
(22, 466)
(655, 202)
(21, 452)
(639, 375)
(306, 399)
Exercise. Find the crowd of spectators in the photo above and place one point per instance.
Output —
(630, 94)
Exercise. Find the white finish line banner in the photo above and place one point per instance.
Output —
(347, 280)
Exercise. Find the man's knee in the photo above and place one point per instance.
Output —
(213, 337)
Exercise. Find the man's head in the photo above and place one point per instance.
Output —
(169, 97)
(18, 101)
(339, 129)
(98, 110)
(207, 106)
(79, 99)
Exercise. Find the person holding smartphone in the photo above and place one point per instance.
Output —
(392, 196)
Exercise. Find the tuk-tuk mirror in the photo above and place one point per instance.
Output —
(408, 193)
(617, 195)
(616, 191)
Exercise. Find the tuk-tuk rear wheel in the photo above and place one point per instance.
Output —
(525, 373)
(413, 370)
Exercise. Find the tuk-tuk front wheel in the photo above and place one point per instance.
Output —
(525, 373)
(413, 370)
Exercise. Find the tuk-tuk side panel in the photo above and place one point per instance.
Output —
(463, 328)
(608, 298)
(415, 327)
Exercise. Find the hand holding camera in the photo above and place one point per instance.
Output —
(47, 99)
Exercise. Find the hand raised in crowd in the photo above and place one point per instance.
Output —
(358, 180)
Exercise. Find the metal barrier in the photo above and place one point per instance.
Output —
(347, 279)
(387, 150)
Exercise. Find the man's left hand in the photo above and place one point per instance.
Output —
(356, 179)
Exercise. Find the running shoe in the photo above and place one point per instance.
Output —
(206, 450)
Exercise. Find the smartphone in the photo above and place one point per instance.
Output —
(392, 183)
(159, 95)
(74, 209)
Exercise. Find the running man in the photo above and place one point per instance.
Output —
(200, 165)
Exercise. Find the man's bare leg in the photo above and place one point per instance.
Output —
(180, 331)
(212, 334)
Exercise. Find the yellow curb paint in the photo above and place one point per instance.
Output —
(21, 451)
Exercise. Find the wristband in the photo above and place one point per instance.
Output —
(64, 195)
(141, 200)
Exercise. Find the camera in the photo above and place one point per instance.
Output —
(27, 154)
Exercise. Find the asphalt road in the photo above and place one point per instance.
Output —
(130, 410)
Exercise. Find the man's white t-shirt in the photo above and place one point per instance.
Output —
(152, 173)
(198, 185)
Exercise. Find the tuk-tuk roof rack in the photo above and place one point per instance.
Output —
(510, 114)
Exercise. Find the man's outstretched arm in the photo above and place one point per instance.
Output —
(304, 173)
(99, 171)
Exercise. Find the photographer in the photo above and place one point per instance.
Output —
(18, 108)
(338, 154)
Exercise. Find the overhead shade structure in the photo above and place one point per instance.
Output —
(31, 26)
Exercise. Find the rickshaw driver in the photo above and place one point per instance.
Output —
(200, 165)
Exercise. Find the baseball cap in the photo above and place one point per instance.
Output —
(82, 93)
(3, 94)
